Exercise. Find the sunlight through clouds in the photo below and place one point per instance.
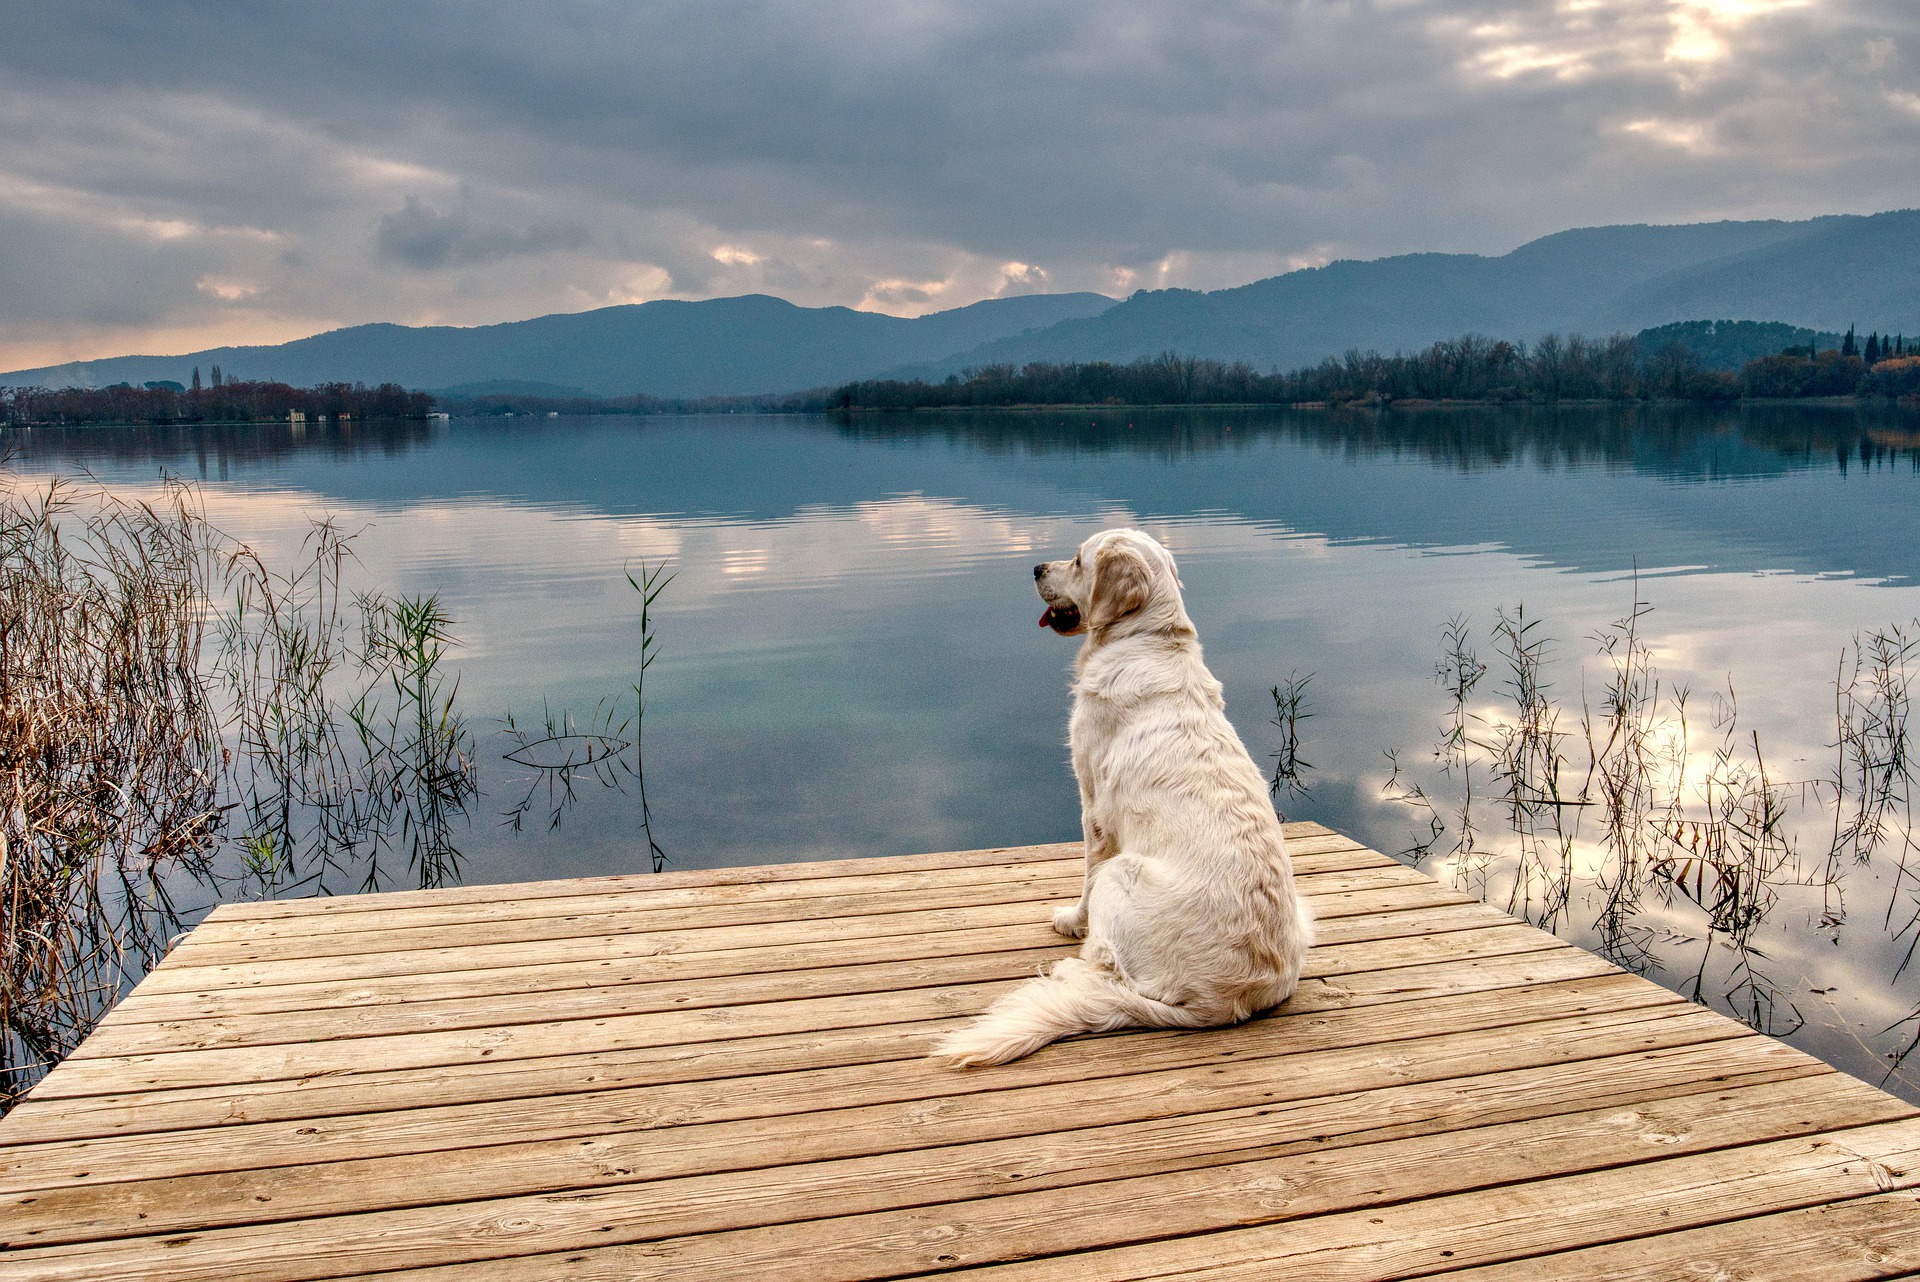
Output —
(1697, 139)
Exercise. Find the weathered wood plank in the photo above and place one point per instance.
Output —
(1303, 838)
(492, 1011)
(1324, 1179)
(1855, 1241)
(812, 1090)
(1332, 901)
(1021, 928)
(383, 1090)
(1555, 1197)
(640, 883)
(709, 1042)
(367, 931)
(249, 942)
(1352, 869)
(761, 1193)
(1519, 1219)
(190, 969)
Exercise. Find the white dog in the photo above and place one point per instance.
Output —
(1188, 911)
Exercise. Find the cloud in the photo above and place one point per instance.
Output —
(418, 235)
(479, 161)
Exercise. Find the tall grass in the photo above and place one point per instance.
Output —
(353, 754)
(181, 722)
(112, 765)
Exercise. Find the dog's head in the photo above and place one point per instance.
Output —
(1119, 578)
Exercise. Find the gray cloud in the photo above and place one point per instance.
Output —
(421, 236)
(276, 168)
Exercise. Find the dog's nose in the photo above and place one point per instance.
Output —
(1039, 571)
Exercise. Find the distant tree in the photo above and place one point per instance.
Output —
(1873, 349)
(216, 376)
(1847, 346)
(196, 378)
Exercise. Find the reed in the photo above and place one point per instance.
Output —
(1458, 673)
(1289, 711)
(181, 722)
(1646, 804)
(111, 755)
(559, 752)
(650, 584)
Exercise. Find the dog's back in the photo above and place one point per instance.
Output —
(1190, 913)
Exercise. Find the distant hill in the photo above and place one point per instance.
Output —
(1825, 272)
(716, 347)
(1731, 344)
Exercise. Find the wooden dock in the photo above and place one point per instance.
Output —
(720, 1076)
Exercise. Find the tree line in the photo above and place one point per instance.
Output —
(1470, 368)
(226, 401)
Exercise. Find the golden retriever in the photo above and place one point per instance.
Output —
(1188, 909)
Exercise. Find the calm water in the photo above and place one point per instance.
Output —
(851, 663)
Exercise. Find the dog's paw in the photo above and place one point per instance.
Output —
(1071, 922)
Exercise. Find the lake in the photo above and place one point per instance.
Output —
(849, 662)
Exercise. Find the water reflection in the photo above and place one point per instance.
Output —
(1677, 441)
(849, 662)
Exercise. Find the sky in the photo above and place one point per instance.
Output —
(176, 175)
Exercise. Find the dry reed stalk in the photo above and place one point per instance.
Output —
(111, 761)
(146, 730)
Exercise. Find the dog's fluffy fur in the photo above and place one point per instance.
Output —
(1189, 911)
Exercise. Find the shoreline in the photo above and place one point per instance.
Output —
(1407, 403)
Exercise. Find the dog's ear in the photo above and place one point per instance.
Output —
(1121, 584)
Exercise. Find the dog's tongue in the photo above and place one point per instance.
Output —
(1046, 617)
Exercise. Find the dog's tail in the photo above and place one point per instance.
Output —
(1075, 997)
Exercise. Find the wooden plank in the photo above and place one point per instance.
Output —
(1166, 1062)
(1361, 871)
(687, 1042)
(890, 1181)
(984, 1167)
(1303, 838)
(379, 915)
(1854, 1241)
(891, 1243)
(1388, 915)
(185, 973)
(1026, 931)
(1518, 1219)
(1577, 981)
(1304, 841)
(1301, 1239)
(638, 882)
(825, 896)
(211, 943)
(497, 1010)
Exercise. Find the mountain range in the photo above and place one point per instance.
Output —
(715, 347)
(1825, 273)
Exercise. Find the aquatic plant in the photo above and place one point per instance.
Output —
(1289, 710)
(111, 758)
(1635, 820)
(610, 749)
(650, 584)
(180, 722)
